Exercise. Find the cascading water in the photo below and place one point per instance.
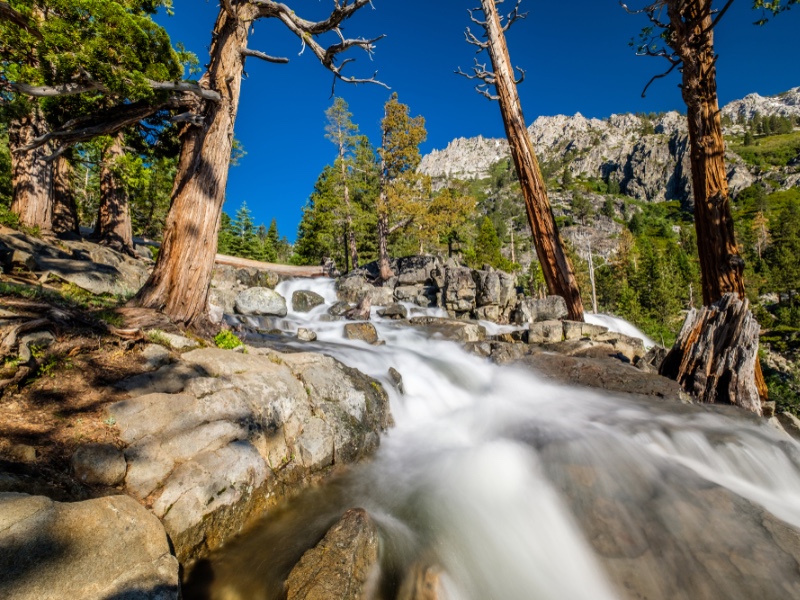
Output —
(518, 488)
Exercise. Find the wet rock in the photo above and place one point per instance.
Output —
(306, 335)
(768, 409)
(338, 309)
(791, 424)
(397, 379)
(340, 565)
(533, 310)
(603, 373)
(451, 329)
(99, 464)
(360, 312)
(155, 355)
(545, 332)
(305, 300)
(423, 582)
(260, 301)
(393, 311)
(364, 332)
(94, 550)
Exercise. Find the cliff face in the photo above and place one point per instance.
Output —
(647, 156)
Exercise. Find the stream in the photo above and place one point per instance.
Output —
(518, 488)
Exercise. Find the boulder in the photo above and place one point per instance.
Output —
(94, 550)
(155, 355)
(305, 300)
(393, 311)
(223, 298)
(306, 335)
(173, 340)
(260, 301)
(451, 329)
(575, 330)
(243, 429)
(338, 309)
(495, 288)
(545, 332)
(99, 464)
(630, 347)
(459, 291)
(353, 288)
(415, 270)
(364, 332)
(533, 310)
(340, 565)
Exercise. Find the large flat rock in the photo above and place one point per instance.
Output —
(98, 549)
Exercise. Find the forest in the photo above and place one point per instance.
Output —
(108, 126)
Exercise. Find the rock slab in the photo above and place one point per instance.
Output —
(94, 550)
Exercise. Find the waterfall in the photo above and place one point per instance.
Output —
(519, 488)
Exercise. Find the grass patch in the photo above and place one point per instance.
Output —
(770, 151)
(227, 340)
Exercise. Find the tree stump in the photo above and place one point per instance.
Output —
(715, 355)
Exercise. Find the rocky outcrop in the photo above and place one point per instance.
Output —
(646, 155)
(340, 565)
(218, 436)
(94, 550)
(260, 301)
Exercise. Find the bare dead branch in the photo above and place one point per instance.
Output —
(664, 74)
(307, 31)
(71, 89)
(521, 75)
(471, 39)
(263, 56)
(514, 16)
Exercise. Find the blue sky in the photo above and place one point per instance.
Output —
(575, 53)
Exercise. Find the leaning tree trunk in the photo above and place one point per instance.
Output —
(114, 227)
(721, 266)
(558, 272)
(31, 174)
(65, 209)
(180, 280)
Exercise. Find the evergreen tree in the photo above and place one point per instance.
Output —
(227, 237)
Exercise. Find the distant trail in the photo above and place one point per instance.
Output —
(291, 270)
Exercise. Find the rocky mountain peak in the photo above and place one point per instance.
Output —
(786, 104)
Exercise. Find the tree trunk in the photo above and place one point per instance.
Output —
(65, 209)
(113, 218)
(31, 175)
(721, 266)
(715, 354)
(383, 220)
(180, 280)
(558, 272)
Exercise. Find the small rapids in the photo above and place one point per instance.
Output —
(518, 488)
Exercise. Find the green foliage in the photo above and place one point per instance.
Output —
(5, 172)
(487, 248)
(581, 207)
(240, 237)
(770, 151)
(227, 340)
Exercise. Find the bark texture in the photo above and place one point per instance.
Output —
(180, 280)
(65, 209)
(715, 354)
(114, 227)
(383, 219)
(31, 175)
(351, 234)
(721, 266)
(556, 266)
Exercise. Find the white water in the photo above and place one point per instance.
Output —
(619, 326)
(498, 474)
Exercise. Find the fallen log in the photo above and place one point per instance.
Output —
(715, 355)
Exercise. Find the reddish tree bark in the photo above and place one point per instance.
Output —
(65, 209)
(114, 227)
(31, 175)
(556, 266)
(180, 280)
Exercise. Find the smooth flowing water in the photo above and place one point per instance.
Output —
(519, 488)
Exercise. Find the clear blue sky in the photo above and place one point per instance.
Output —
(575, 53)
